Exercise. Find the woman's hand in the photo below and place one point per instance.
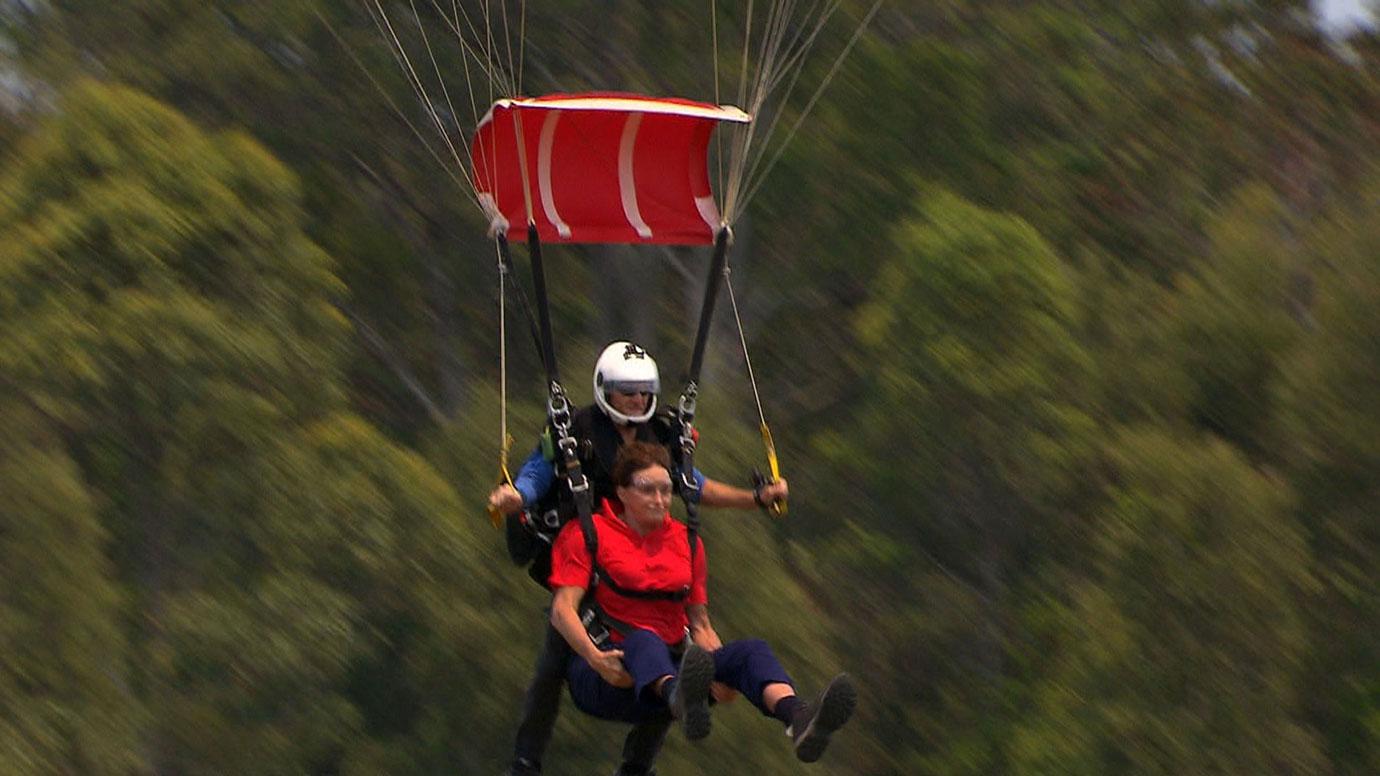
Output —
(706, 638)
(609, 666)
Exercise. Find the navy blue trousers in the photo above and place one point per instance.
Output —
(543, 701)
(747, 666)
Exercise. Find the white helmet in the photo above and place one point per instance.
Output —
(626, 368)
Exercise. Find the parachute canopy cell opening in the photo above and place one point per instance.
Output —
(600, 168)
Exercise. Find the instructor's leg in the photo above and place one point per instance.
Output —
(643, 744)
(543, 699)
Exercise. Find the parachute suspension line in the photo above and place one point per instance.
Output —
(777, 508)
(436, 67)
(489, 45)
(508, 45)
(758, 179)
(774, 72)
(781, 63)
(522, 48)
(453, 23)
(400, 54)
(493, 70)
(493, 48)
(753, 99)
(743, 67)
(740, 134)
(505, 439)
(493, 74)
(467, 186)
(742, 339)
(801, 44)
(771, 73)
(469, 78)
(776, 24)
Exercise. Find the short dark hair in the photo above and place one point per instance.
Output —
(636, 456)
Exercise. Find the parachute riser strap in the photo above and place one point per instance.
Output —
(711, 294)
(568, 463)
(557, 405)
(687, 486)
(689, 489)
(548, 345)
(506, 270)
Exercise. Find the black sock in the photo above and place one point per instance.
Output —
(785, 709)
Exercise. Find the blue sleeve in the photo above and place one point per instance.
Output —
(535, 477)
(699, 483)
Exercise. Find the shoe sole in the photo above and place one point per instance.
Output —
(696, 673)
(836, 706)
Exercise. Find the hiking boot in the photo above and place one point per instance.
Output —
(689, 701)
(523, 767)
(633, 770)
(814, 722)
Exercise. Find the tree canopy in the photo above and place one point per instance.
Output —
(1063, 319)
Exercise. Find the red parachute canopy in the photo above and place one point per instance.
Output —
(600, 168)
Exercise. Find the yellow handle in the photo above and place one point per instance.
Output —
(504, 478)
(778, 508)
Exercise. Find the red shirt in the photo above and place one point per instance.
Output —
(658, 561)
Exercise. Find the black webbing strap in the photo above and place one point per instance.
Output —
(558, 410)
(598, 624)
(688, 488)
(602, 577)
(711, 293)
(505, 266)
(548, 345)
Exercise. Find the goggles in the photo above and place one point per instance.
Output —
(633, 386)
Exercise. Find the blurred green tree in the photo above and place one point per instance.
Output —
(970, 437)
(1181, 651)
(66, 704)
(1330, 433)
(163, 306)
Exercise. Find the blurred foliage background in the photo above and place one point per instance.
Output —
(1064, 315)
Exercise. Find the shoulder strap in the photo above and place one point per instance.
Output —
(603, 439)
(599, 576)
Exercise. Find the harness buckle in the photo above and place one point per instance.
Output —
(685, 409)
(598, 632)
(558, 409)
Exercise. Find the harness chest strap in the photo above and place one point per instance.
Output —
(597, 622)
